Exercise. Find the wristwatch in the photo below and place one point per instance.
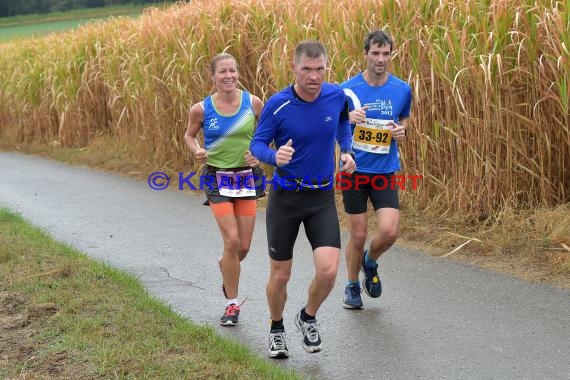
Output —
(351, 152)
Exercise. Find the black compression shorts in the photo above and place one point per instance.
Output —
(286, 210)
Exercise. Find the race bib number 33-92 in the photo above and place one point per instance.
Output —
(374, 136)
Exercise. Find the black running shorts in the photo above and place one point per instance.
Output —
(286, 210)
(380, 188)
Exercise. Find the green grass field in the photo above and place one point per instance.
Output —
(37, 30)
(40, 25)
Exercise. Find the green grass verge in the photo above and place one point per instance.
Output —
(98, 322)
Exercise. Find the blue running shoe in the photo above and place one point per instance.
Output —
(352, 298)
(371, 282)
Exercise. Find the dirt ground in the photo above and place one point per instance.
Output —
(21, 323)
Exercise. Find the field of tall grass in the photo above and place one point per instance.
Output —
(490, 123)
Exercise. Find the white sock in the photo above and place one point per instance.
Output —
(233, 301)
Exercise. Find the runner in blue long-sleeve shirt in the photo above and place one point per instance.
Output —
(303, 120)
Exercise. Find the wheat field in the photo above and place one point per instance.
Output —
(490, 122)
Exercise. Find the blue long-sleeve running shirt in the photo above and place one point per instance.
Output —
(313, 127)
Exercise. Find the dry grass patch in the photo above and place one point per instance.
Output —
(531, 244)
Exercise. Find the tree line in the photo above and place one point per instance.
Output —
(23, 7)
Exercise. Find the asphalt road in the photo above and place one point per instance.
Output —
(436, 318)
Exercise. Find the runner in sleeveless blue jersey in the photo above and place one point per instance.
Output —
(304, 121)
(380, 107)
(227, 120)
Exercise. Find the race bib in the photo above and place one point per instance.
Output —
(374, 136)
(236, 184)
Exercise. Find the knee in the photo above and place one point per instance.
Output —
(232, 244)
(243, 251)
(280, 278)
(392, 236)
(358, 238)
(328, 273)
(388, 236)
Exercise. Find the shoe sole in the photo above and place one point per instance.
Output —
(347, 306)
(228, 323)
(278, 354)
(312, 349)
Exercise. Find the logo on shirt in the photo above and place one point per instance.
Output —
(213, 124)
(328, 118)
(384, 106)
